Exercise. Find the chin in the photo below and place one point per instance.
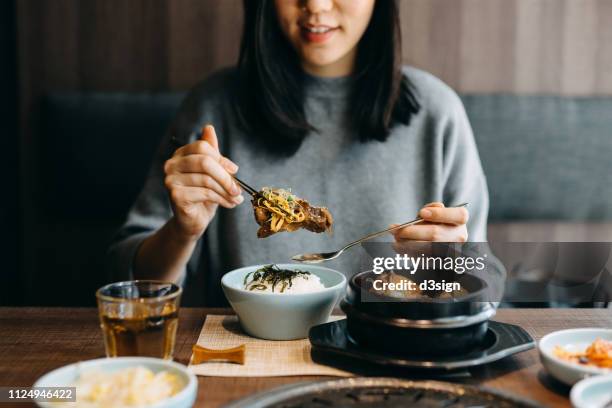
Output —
(321, 61)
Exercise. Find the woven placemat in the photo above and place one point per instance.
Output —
(263, 358)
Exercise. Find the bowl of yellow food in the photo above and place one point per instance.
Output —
(122, 382)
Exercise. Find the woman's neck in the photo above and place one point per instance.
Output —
(343, 67)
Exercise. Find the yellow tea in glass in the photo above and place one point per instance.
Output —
(139, 318)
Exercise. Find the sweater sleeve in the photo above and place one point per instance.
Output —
(463, 178)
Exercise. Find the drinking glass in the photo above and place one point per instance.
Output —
(139, 318)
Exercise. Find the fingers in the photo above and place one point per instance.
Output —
(202, 181)
(210, 135)
(204, 148)
(184, 196)
(443, 215)
(206, 165)
(433, 204)
(432, 233)
(421, 232)
(229, 165)
(198, 173)
(441, 224)
(198, 147)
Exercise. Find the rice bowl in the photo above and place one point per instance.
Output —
(289, 315)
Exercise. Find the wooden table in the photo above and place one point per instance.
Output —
(36, 340)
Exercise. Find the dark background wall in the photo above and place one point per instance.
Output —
(12, 285)
(518, 46)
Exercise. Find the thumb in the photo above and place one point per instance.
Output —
(209, 135)
(434, 204)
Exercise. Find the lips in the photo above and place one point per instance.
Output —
(317, 33)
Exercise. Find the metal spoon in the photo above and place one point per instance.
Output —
(328, 256)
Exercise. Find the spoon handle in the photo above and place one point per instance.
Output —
(417, 220)
(379, 233)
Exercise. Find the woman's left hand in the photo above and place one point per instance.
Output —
(441, 224)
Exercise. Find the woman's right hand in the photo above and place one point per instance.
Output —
(199, 179)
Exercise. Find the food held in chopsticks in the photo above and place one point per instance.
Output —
(273, 279)
(278, 210)
(598, 354)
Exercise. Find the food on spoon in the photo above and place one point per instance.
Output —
(598, 354)
(278, 210)
(130, 387)
(272, 279)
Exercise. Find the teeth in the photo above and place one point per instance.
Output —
(318, 30)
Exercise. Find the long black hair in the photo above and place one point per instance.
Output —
(270, 80)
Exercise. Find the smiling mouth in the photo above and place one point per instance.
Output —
(317, 34)
(318, 30)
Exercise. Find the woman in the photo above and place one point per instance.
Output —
(320, 103)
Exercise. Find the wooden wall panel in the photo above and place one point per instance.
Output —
(552, 46)
(59, 46)
(204, 35)
(580, 46)
(431, 35)
(538, 50)
(520, 46)
(604, 54)
(487, 36)
(123, 44)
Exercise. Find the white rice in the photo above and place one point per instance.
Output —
(299, 284)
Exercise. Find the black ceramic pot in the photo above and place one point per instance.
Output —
(423, 326)
(405, 337)
(364, 300)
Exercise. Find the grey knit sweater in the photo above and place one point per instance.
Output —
(366, 186)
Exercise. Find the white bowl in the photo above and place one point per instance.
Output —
(571, 340)
(283, 316)
(594, 392)
(64, 376)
